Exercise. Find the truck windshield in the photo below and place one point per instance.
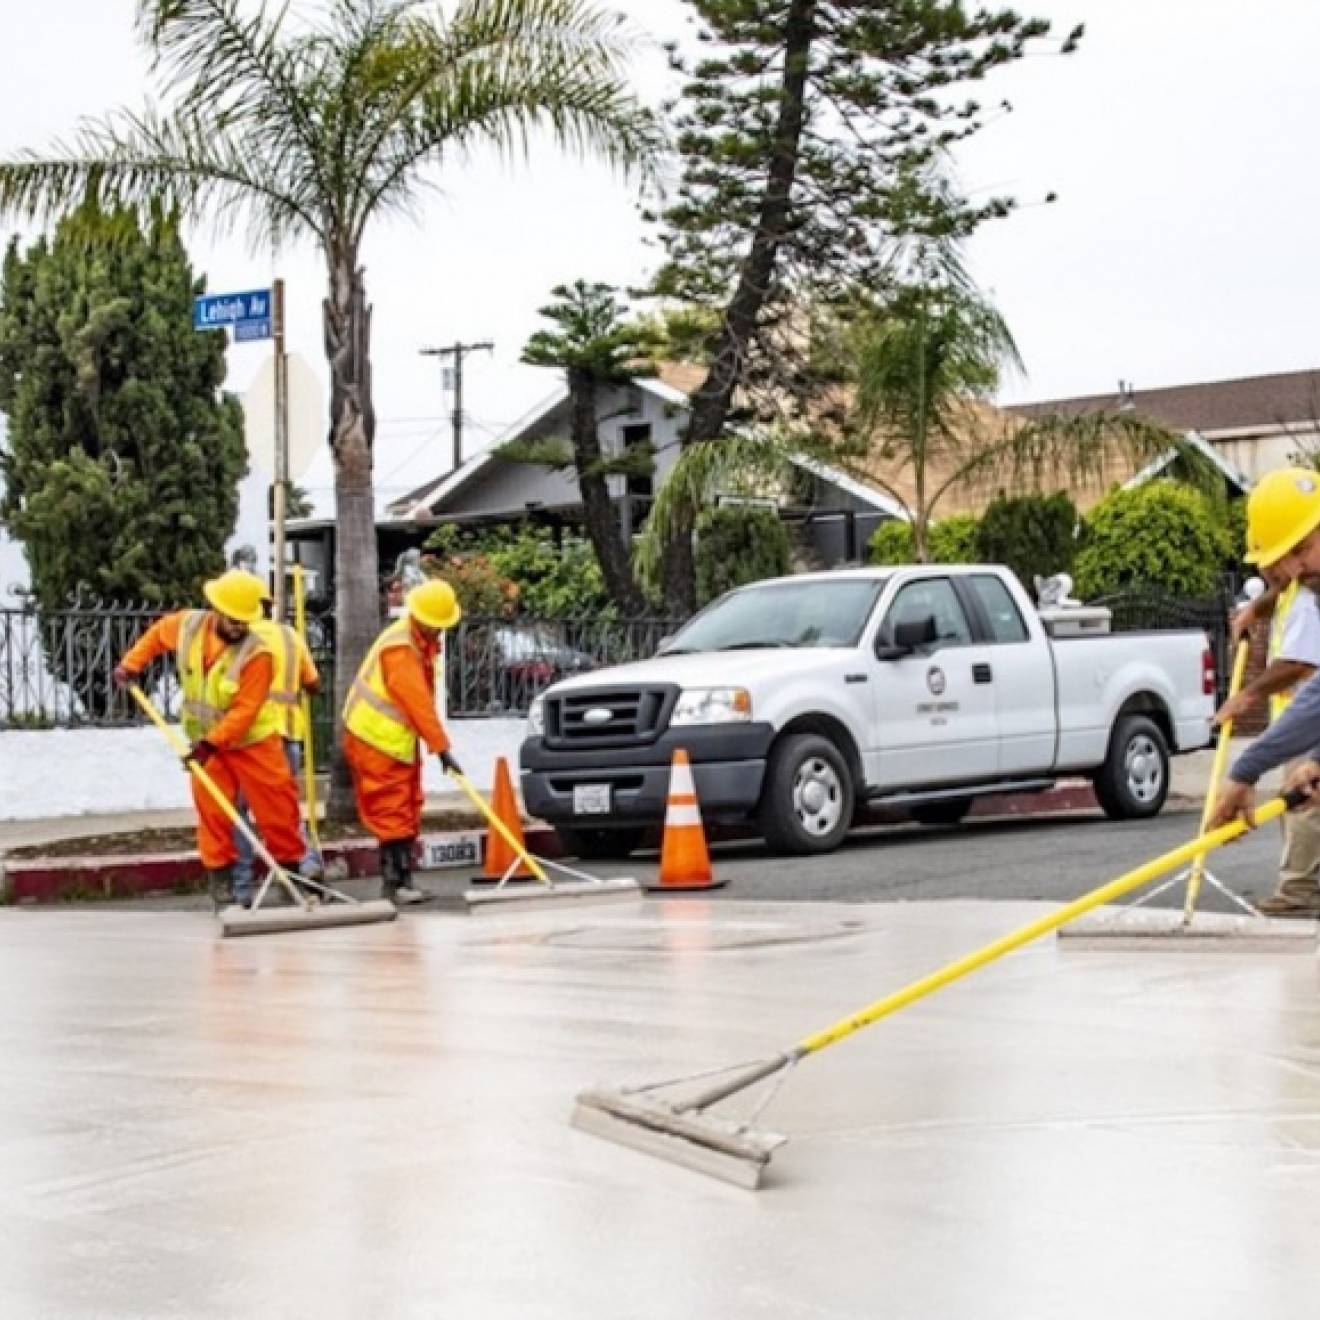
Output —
(807, 613)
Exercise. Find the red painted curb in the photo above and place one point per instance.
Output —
(56, 879)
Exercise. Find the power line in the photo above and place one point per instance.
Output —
(458, 351)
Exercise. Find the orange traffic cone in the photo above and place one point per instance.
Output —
(684, 860)
(498, 852)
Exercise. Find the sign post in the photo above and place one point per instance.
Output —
(254, 315)
(281, 449)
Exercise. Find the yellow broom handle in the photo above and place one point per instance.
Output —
(1217, 769)
(500, 827)
(305, 704)
(927, 985)
(183, 750)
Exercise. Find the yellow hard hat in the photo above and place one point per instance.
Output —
(1282, 509)
(434, 604)
(237, 595)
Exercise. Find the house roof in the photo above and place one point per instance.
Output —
(1209, 407)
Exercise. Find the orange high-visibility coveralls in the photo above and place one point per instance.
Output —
(259, 771)
(389, 792)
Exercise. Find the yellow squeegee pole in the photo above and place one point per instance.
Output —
(500, 827)
(309, 761)
(1217, 768)
(954, 971)
(182, 748)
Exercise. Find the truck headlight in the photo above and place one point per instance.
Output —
(712, 706)
(536, 717)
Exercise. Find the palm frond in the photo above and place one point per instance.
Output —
(701, 473)
(180, 161)
(499, 72)
(1052, 450)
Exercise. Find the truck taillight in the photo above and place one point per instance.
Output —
(1208, 672)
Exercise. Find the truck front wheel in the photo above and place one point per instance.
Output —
(1134, 780)
(807, 800)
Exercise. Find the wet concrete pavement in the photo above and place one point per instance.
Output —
(373, 1122)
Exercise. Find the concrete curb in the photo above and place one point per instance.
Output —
(57, 879)
(132, 875)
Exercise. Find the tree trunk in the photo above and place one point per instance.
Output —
(603, 529)
(712, 402)
(347, 325)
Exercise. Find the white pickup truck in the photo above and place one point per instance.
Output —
(798, 698)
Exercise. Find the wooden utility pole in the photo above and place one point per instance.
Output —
(281, 446)
(458, 351)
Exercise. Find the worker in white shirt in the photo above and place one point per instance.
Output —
(1293, 657)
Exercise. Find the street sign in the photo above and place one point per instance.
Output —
(249, 314)
(245, 331)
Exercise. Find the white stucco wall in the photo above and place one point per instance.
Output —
(74, 772)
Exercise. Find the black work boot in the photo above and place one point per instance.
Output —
(221, 883)
(406, 892)
(389, 877)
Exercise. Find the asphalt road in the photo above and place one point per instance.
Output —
(1053, 858)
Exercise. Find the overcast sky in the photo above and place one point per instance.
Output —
(1179, 140)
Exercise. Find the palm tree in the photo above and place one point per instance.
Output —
(311, 127)
(914, 418)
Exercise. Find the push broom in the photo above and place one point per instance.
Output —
(680, 1128)
(309, 758)
(581, 888)
(306, 913)
(1139, 926)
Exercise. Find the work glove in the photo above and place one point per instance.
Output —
(451, 767)
(123, 677)
(200, 753)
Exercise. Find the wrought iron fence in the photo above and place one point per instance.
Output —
(56, 666)
(497, 667)
(1144, 609)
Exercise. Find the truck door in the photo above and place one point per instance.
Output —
(934, 715)
(1021, 677)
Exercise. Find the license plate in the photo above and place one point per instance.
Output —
(591, 799)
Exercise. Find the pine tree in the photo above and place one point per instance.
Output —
(124, 456)
(802, 132)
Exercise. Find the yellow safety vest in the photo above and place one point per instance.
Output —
(286, 649)
(208, 693)
(1280, 701)
(369, 713)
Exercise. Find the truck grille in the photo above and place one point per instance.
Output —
(636, 715)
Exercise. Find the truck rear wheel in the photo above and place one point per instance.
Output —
(1134, 780)
(599, 845)
(807, 801)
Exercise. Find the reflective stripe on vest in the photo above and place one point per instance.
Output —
(369, 713)
(286, 683)
(1280, 701)
(208, 693)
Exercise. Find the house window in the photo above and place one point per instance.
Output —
(640, 485)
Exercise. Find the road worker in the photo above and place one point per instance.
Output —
(1283, 533)
(225, 672)
(1292, 657)
(389, 714)
(295, 672)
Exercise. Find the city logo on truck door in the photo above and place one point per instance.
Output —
(936, 681)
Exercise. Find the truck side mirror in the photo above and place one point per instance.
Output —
(909, 636)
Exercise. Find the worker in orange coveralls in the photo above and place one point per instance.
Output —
(389, 713)
(225, 672)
